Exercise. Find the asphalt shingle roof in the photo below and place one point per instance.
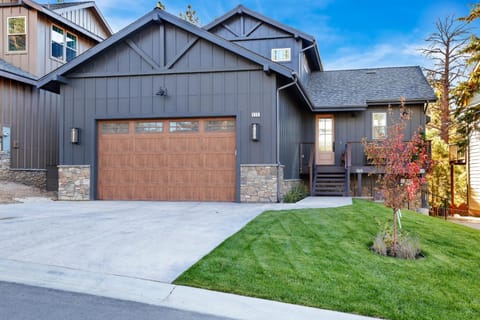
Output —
(7, 67)
(361, 87)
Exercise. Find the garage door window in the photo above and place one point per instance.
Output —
(149, 127)
(114, 127)
(184, 126)
(220, 126)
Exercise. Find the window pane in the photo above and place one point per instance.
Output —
(16, 25)
(281, 54)
(57, 35)
(149, 127)
(379, 125)
(57, 42)
(220, 126)
(71, 46)
(183, 126)
(17, 43)
(71, 41)
(115, 127)
(17, 34)
(71, 54)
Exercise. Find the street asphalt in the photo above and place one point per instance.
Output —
(21, 302)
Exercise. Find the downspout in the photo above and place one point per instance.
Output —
(278, 130)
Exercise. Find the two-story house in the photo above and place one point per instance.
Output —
(36, 39)
(234, 111)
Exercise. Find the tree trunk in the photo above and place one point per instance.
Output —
(445, 103)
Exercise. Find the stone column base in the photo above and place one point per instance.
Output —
(74, 182)
(259, 182)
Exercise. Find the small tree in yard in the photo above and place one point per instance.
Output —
(400, 163)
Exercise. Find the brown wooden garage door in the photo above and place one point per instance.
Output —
(178, 159)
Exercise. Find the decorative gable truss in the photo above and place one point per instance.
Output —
(162, 49)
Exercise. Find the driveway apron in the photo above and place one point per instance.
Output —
(147, 240)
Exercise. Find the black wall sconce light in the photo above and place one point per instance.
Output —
(255, 131)
(162, 92)
(74, 135)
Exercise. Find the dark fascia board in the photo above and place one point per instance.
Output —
(296, 33)
(339, 108)
(19, 78)
(86, 5)
(61, 19)
(398, 101)
(157, 15)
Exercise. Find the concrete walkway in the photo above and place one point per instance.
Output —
(133, 250)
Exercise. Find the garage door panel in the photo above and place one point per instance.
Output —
(153, 161)
(197, 165)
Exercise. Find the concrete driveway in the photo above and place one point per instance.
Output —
(147, 240)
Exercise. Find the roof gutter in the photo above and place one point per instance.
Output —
(16, 77)
(399, 101)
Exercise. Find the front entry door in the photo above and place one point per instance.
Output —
(325, 152)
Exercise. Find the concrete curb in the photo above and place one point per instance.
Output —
(160, 294)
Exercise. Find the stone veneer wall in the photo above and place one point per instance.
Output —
(30, 177)
(258, 182)
(74, 182)
(35, 178)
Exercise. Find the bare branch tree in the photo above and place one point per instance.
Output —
(445, 49)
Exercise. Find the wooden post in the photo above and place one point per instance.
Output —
(452, 185)
(359, 184)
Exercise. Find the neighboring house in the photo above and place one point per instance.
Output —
(36, 39)
(473, 165)
(234, 111)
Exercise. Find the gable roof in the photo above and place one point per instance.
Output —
(309, 40)
(71, 6)
(51, 81)
(242, 9)
(344, 90)
(11, 72)
(52, 14)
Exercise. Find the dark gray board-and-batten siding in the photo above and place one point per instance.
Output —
(32, 116)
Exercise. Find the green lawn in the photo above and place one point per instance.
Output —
(321, 258)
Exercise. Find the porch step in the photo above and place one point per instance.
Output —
(329, 183)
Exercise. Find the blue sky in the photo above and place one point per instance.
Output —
(350, 33)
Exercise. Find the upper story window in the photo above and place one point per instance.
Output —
(64, 44)
(281, 54)
(17, 34)
(379, 125)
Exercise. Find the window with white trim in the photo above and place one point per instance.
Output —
(64, 45)
(281, 54)
(17, 34)
(379, 125)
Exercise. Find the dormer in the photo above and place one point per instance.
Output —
(269, 38)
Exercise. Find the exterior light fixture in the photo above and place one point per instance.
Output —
(162, 92)
(255, 131)
(74, 135)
